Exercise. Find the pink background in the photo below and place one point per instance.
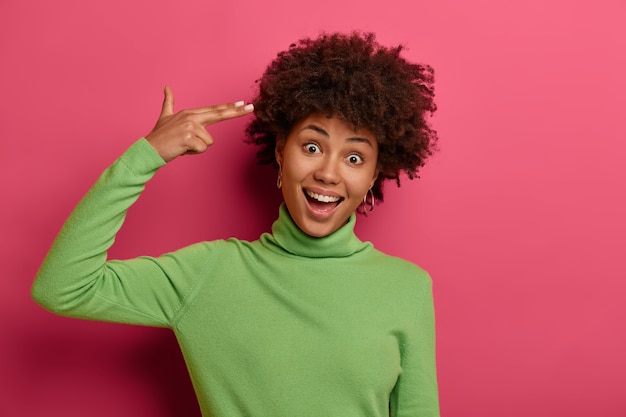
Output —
(519, 218)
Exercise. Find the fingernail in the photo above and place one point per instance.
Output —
(248, 107)
(238, 103)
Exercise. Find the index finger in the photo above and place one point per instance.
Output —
(214, 114)
(215, 107)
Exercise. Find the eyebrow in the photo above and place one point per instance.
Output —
(350, 139)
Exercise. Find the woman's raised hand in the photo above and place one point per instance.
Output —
(184, 133)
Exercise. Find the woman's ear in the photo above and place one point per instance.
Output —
(375, 177)
(278, 150)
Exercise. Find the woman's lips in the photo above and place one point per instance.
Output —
(321, 204)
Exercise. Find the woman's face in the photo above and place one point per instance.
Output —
(327, 168)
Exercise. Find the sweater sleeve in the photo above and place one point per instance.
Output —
(76, 280)
(416, 391)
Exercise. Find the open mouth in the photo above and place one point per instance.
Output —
(320, 202)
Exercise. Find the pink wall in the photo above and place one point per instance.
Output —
(519, 218)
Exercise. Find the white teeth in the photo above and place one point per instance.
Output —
(322, 198)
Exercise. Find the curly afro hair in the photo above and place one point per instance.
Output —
(353, 77)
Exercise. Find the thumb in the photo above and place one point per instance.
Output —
(168, 102)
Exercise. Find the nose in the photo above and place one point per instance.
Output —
(327, 171)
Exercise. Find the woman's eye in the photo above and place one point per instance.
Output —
(311, 148)
(355, 159)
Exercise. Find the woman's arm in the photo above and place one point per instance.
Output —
(75, 278)
(416, 392)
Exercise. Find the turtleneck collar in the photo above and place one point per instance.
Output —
(286, 236)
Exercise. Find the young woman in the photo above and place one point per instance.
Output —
(308, 320)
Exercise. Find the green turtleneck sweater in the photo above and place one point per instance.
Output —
(285, 326)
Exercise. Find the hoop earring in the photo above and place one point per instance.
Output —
(372, 200)
(279, 180)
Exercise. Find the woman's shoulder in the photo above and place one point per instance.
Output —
(399, 268)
